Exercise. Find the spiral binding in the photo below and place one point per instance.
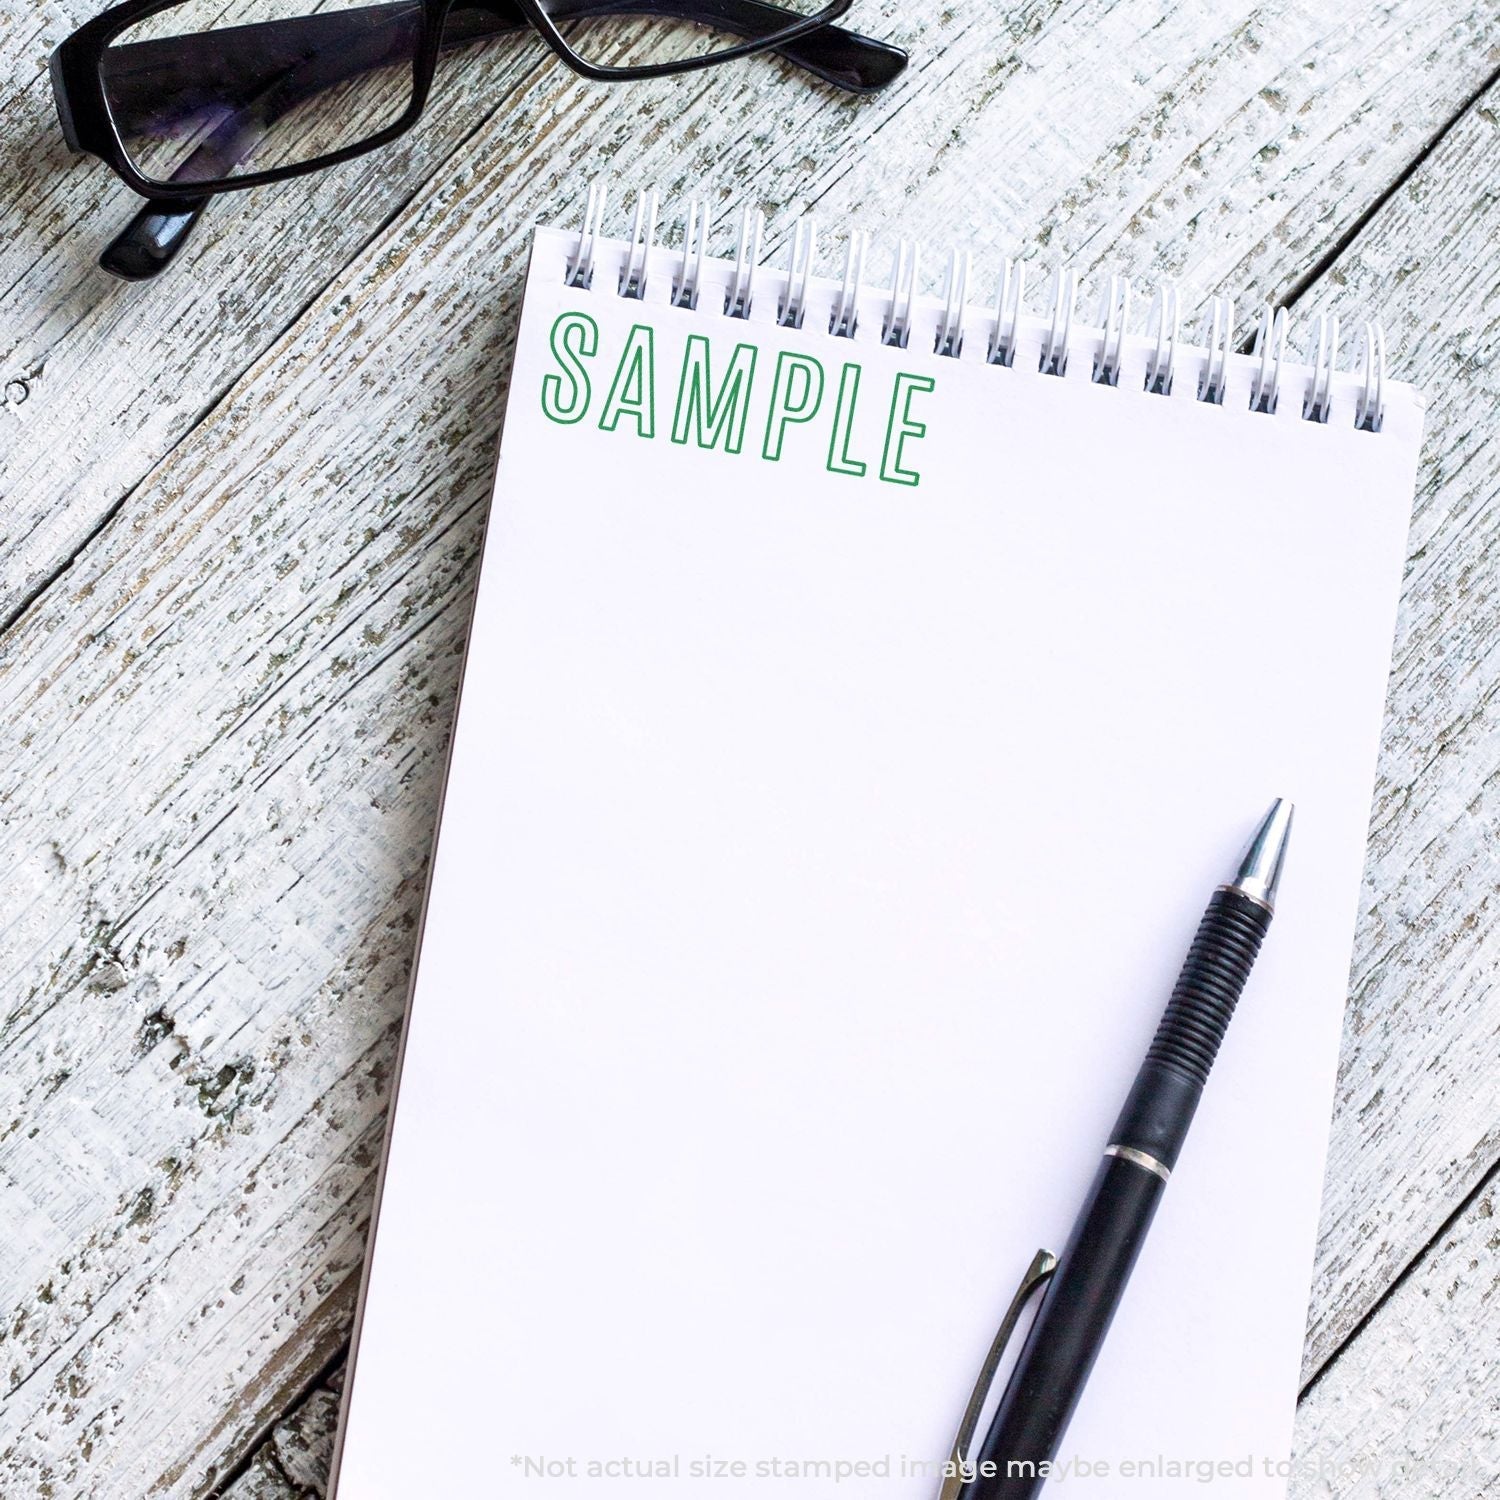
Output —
(843, 321)
(1213, 353)
(793, 306)
(1166, 316)
(1055, 345)
(747, 258)
(1008, 304)
(1218, 339)
(1114, 318)
(950, 337)
(642, 238)
(694, 252)
(897, 329)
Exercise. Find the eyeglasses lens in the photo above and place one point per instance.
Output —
(644, 33)
(215, 89)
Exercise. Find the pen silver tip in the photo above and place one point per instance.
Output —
(1260, 870)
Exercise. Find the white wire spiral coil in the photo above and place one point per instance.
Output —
(1221, 371)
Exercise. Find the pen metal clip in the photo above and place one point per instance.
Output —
(1043, 1264)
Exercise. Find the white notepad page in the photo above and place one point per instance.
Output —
(818, 853)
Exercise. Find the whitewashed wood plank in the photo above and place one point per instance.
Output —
(239, 696)
(1231, 141)
(1418, 1117)
(294, 1460)
(1411, 1408)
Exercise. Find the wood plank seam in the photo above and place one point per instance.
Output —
(1487, 1180)
(1303, 284)
(261, 1443)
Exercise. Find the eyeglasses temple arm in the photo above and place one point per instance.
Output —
(837, 56)
(154, 235)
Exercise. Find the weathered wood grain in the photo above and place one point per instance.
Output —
(101, 378)
(1410, 1408)
(294, 1460)
(228, 714)
(1417, 1122)
(1232, 141)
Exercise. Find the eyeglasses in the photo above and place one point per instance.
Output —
(188, 98)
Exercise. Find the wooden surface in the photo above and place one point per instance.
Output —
(240, 512)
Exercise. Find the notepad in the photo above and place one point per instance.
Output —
(869, 681)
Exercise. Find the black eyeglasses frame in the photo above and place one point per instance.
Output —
(77, 75)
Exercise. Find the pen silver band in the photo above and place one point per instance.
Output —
(1140, 1159)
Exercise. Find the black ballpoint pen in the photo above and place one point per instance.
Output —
(1087, 1280)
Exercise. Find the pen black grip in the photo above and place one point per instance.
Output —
(1085, 1290)
(1160, 1106)
(1069, 1329)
